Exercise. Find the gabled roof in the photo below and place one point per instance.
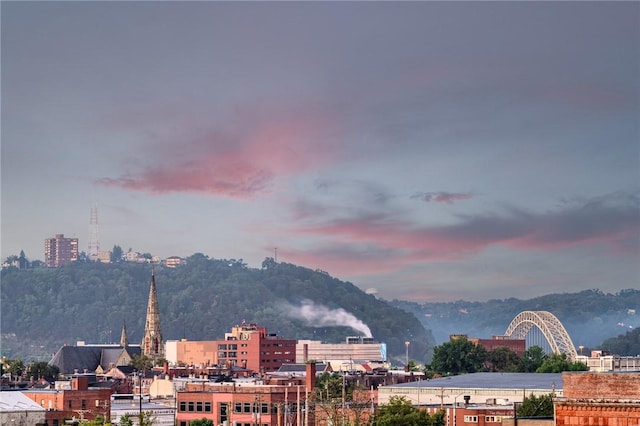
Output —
(71, 358)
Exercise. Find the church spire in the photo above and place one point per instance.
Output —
(152, 344)
(124, 340)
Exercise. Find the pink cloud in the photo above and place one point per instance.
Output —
(239, 161)
(374, 243)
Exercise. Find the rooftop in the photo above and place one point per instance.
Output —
(492, 381)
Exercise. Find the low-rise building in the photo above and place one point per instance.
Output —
(594, 398)
(17, 409)
(79, 402)
(604, 361)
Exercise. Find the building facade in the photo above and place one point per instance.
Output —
(60, 251)
(339, 354)
(247, 346)
(602, 399)
(78, 402)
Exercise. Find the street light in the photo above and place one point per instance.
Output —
(455, 404)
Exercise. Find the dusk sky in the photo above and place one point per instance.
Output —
(434, 151)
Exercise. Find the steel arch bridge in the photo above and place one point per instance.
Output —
(550, 326)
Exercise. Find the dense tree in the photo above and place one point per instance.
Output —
(533, 358)
(400, 412)
(458, 356)
(504, 360)
(42, 369)
(627, 344)
(116, 254)
(141, 362)
(536, 406)
(556, 363)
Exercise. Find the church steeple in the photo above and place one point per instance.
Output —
(152, 344)
(124, 340)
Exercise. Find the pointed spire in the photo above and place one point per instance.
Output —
(152, 344)
(124, 340)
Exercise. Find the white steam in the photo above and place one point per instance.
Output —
(321, 316)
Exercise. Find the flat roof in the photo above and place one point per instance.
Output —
(490, 381)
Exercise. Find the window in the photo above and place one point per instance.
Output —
(183, 406)
(222, 347)
(183, 423)
(84, 404)
(207, 407)
(224, 417)
(70, 404)
(191, 406)
(493, 419)
(237, 408)
(246, 407)
(199, 406)
(471, 419)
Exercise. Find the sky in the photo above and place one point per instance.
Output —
(432, 151)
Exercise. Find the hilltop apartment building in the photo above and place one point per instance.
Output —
(59, 251)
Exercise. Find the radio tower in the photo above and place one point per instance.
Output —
(94, 245)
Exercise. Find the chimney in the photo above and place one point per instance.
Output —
(310, 380)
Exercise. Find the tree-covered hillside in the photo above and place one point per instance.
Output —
(43, 309)
(590, 316)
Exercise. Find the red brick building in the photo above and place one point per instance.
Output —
(79, 402)
(599, 399)
(246, 404)
(516, 345)
(247, 346)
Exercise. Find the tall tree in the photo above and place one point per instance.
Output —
(504, 360)
(533, 358)
(556, 363)
(42, 369)
(536, 406)
(400, 412)
(116, 254)
(458, 356)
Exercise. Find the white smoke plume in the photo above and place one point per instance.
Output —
(321, 316)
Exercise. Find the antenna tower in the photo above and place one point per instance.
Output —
(94, 245)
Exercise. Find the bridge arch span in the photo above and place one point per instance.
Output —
(550, 326)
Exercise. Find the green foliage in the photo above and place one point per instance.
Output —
(329, 387)
(590, 316)
(125, 420)
(201, 422)
(627, 344)
(536, 406)
(141, 362)
(198, 301)
(116, 254)
(458, 356)
(400, 412)
(557, 363)
(42, 369)
(533, 358)
(503, 359)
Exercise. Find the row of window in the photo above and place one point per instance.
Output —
(197, 406)
(238, 407)
(184, 423)
(487, 419)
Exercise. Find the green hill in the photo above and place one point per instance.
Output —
(44, 308)
(589, 316)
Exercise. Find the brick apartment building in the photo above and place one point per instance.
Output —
(79, 402)
(59, 251)
(247, 403)
(246, 346)
(600, 399)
